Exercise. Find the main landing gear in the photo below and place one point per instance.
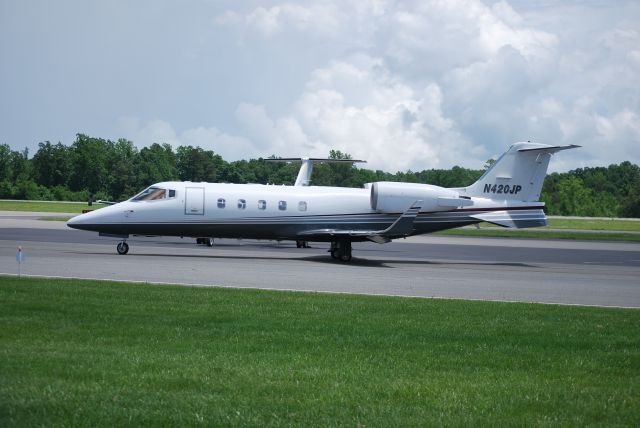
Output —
(341, 250)
(122, 248)
(302, 244)
(205, 241)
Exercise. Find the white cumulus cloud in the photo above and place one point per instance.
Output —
(404, 83)
(159, 131)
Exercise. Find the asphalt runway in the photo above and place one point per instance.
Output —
(563, 272)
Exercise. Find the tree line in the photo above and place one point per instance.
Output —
(95, 168)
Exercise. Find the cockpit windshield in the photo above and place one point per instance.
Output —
(151, 194)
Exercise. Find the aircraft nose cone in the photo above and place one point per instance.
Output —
(76, 222)
(72, 222)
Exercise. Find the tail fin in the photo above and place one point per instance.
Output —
(517, 175)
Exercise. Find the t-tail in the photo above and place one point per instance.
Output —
(517, 175)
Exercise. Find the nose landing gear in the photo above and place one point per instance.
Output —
(122, 248)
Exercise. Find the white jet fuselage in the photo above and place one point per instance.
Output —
(275, 212)
(507, 195)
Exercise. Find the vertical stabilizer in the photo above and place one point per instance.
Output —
(517, 175)
(304, 174)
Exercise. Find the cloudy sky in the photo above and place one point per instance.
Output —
(404, 84)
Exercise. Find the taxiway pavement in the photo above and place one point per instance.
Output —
(545, 271)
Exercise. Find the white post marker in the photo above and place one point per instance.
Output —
(19, 259)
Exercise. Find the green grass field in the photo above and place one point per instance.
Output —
(613, 224)
(110, 354)
(579, 229)
(542, 234)
(46, 206)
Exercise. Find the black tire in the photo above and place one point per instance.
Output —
(334, 254)
(209, 242)
(345, 257)
(122, 248)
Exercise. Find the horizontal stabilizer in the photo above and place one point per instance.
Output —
(304, 174)
(514, 219)
(550, 149)
(315, 160)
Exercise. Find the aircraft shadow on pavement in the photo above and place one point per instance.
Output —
(363, 262)
(324, 259)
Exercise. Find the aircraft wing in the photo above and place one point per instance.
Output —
(403, 226)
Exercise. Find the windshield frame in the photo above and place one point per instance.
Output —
(150, 194)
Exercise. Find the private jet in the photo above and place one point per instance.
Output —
(506, 195)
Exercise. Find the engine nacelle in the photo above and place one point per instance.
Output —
(398, 197)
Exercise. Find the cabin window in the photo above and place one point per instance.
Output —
(282, 205)
(151, 194)
(172, 193)
(221, 203)
(242, 204)
(262, 204)
(302, 206)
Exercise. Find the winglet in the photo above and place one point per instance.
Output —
(403, 226)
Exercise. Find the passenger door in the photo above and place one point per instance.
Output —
(194, 201)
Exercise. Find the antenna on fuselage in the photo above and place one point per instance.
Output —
(304, 174)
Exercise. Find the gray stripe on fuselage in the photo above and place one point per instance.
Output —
(289, 227)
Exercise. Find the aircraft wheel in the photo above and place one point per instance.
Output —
(209, 242)
(334, 254)
(345, 257)
(122, 248)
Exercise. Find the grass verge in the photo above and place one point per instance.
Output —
(103, 354)
(45, 206)
(543, 234)
(612, 224)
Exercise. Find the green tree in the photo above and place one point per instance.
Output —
(576, 199)
(5, 164)
(155, 164)
(90, 157)
(630, 206)
(122, 178)
(240, 172)
(336, 174)
(197, 164)
(19, 182)
(488, 164)
(7, 176)
(52, 164)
